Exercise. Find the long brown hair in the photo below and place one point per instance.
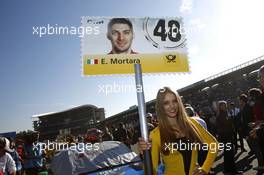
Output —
(184, 124)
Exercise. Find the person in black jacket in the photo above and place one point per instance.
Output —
(258, 132)
(246, 117)
(225, 133)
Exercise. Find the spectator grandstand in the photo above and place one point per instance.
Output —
(71, 121)
(203, 95)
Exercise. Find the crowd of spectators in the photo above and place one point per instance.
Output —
(231, 110)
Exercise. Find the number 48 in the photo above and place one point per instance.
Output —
(173, 33)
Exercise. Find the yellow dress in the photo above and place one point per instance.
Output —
(174, 162)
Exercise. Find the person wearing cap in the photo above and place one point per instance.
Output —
(7, 164)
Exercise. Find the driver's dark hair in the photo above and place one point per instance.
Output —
(119, 21)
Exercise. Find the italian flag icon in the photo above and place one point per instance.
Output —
(92, 61)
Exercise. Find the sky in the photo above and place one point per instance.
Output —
(43, 74)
